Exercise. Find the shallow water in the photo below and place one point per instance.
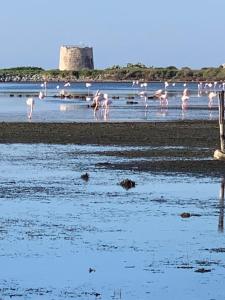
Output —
(55, 226)
(76, 110)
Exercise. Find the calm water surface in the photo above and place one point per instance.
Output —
(54, 227)
(75, 110)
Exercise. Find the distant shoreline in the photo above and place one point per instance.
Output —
(102, 81)
(129, 73)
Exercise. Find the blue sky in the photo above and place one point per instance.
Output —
(153, 32)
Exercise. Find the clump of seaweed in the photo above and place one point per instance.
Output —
(185, 215)
(127, 184)
(203, 270)
(85, 176)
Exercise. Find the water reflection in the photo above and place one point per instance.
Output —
(184, 114)
(101, 114)
(200, 102)
(67, 107)
(221, 206)
(162, 112)
(117, 294)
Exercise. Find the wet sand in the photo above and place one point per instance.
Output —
(184, 147)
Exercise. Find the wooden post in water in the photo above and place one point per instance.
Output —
(221, 120)
(221, 215)
(219, 154)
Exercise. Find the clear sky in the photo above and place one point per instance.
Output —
(153, 32)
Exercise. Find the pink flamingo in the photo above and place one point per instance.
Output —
(185, 98)
(211, 96)
(164, 99)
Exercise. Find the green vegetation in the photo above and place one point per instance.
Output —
(115, 73)
(21, 70)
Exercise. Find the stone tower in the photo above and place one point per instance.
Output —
(74, 58)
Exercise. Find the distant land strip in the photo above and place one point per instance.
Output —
(116, 73)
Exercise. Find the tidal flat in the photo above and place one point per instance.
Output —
(67, 237)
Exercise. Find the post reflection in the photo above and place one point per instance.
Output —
(221, 206)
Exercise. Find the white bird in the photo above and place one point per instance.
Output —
(210, 85)
(145, 84)
(30, 106)
(41, 95)
(88, 85)
(44, 86)
(200, 87)
(166, 84)
(67, 84)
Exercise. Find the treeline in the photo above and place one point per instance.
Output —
(21, 71)
(116, 73)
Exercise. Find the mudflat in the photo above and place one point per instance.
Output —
(181, 133)
(183, 147)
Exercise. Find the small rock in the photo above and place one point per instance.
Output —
(91, 270)
(127, 184)
(219, 155)
(85, 176)
(185, 215)
(96, 295)
(132, 102)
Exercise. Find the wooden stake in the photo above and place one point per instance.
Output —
(221, 120)
(220, 154)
